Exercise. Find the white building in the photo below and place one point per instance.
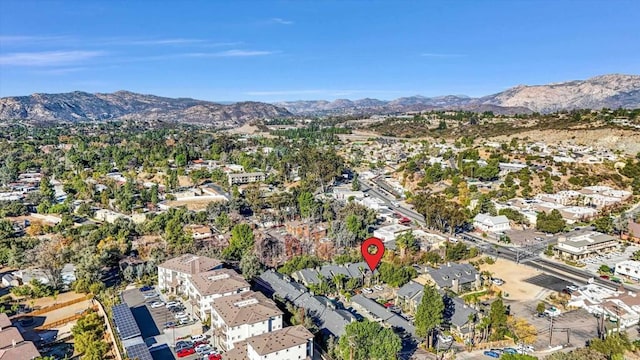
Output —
(238, 317)
(291, 343)
(174, 275)
(585, 245)
(390, 232)
(628, 268)
(490, 223)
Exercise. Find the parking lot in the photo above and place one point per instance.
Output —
(152, 322)
(548, 282)
(610, 259)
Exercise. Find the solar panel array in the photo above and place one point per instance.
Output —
(125, 322)
(138, 352)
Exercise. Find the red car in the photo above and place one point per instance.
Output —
(201, 342)
(215, 357)
(186, 352)
(606, 277)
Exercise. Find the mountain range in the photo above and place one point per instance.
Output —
(611, 91)
(124, 105)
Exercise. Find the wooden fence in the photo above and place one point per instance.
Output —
(66, 320)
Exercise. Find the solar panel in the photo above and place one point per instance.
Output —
(138, 352)
(125, 322)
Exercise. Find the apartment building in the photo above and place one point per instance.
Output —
(246, 178)
(585, 245)
(291, 343)
(238, 317)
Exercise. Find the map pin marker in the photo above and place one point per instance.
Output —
(372, 259)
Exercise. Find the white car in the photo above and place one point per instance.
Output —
(445, 338)
(552, 311)
(200, 337)
(181, 315)
(204, 348)
(367, 291)
(157, 304)
(378, 287)
(497, 281)
(172, 304)
(572, 287)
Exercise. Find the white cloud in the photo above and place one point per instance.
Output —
(280, 21)
(48, 58)
(28, 39)
(59, 71)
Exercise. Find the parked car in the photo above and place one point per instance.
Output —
(150, 295)
(378, 287)
(172, 304)
(186, 352)
(203, 349)
(157, 304)
(198, 337)
(367, 291)
(573, 287)
(181, 314)
(183, 345)
(510, 351)
(497, 281)
(492, 354)
(185, 321)
(552, 311)
(445, 338)
(213, 357)
(146, 288)
(169, 324)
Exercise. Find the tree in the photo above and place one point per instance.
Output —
(306, 204)
(518, 357)
(365, 340)
(88, 335)
(541, 307)
(6, 229)
(407, 242)
(524, 331)
(250, 265)
(550, 223)
(613, 346)
(578, 354)
(604, 224)
(430, 313)
(242, 239)
(355, 184)
(46, 189)
(498, 319)
(50, 256)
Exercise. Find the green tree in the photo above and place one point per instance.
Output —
(250, 265)
(518, 357)
(604, 224)
(306, 204)
(6, 229)
(46, 189)
(355, 184)
(550, 223)
(242, 239)
(541, 307)
(367, 340)
(430, 313)
(613, 346)
(407, 242)
(578, 354)
(498, 319)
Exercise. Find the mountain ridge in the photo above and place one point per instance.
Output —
(609, 90)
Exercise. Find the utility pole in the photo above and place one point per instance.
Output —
(550, 330)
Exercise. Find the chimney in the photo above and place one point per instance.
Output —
(13, 343)
(195, 265)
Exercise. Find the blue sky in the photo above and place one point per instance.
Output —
(290, 50)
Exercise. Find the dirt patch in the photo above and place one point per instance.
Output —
(194, 205)
(514, 276)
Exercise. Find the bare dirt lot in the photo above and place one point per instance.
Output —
(514, 276)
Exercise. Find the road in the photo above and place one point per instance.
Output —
(388, 201)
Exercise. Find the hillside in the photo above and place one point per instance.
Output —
(610, 91)
(79, 106)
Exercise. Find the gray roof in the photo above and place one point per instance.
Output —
(307, 276)
(383, 313)
(461, 312)
(354, 269)
(330, 320)
(282, 287)
(410, 289)
(444, 276)
(329, 271)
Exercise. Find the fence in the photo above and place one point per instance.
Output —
(56, 306)
(66, 320)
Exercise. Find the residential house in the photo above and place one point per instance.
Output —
(199, 232)
(376, 312)
(238, 317)
(408, 297)
(455, 277)
(494, 224)
(585, 245)
(12, 344)
(633, 232)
